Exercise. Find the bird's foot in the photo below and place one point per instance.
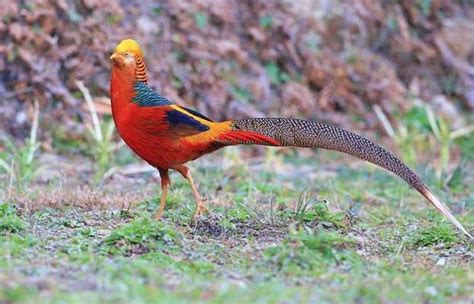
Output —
(158, 215)
(200, 210)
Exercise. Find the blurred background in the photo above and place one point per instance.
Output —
(403, 70)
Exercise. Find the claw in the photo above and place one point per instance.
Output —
(158, 215)
(200, 210)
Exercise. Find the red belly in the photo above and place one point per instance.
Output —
(144, 130)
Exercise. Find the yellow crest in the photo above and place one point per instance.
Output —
(130, 46)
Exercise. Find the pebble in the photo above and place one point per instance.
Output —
(441, 261)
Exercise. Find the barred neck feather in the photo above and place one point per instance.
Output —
(140, 72)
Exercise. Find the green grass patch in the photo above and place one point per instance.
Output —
(438, 233)
(140, 236)
(17, 294)
(312, 210)
(313, 251)
(14, 245)
(9, 220)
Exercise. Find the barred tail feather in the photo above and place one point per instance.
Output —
(310, 134)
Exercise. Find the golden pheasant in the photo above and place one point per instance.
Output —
(167, 136)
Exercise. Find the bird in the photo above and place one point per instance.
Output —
(168, 136)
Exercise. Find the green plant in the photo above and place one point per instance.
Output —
(266, 22)
(19, 161)
(419, 125)
(321, 241)
(17, 294)
(104, 148)
(276, 75)
(241, 94)
(445, 138)
(425, 6)
(402, 135)
(9, 221)
(436, 234)
(101, 133)
(201, 20)
(239, 213)
(140, 236)
(310, 209)
(307, 250)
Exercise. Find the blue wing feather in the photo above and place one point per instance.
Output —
(146, 97)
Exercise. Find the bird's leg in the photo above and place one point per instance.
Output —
(200, 206)
(165, 185)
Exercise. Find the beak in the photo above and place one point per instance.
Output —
(114, 56)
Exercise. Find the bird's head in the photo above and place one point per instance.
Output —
(128, 56)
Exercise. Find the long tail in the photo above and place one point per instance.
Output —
(310, 134)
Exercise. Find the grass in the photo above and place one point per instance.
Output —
(18, 162)
(142, 235)
(101, 134)
(9, 221)
(439, 233)
(419, 127)
(308, 252)
(309, 247)
(284, 228)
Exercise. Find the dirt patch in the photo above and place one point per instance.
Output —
(238, 232)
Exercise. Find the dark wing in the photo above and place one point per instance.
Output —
(183, 124)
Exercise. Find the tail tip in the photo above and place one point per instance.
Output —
(445, 211)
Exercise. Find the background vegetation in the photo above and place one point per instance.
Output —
(76, 206)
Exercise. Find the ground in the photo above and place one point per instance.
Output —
(283, 228)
